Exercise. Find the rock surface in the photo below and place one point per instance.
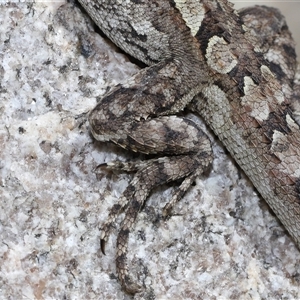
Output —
(221, 242)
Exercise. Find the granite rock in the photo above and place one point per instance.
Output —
(221, 241)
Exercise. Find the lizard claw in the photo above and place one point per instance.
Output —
(102, 246)
(103, 165)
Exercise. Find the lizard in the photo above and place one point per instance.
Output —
(203, 57)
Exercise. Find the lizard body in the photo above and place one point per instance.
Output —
(202, 57)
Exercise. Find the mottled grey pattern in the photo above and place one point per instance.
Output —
(220, 65)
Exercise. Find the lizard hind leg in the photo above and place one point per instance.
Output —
(155, 172)
(190, 153)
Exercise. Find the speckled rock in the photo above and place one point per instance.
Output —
(221, 242)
